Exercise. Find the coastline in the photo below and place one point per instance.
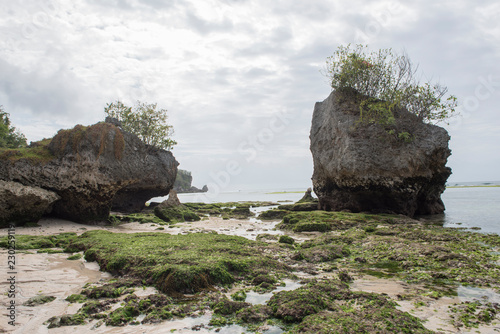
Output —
(54, 274)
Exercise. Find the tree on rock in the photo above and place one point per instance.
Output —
(388, 81)
(10, 137)
(145, 121)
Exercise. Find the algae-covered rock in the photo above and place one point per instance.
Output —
(173, 211)
(274, 214)
(323, 221)
(254, 314)
(237, 210)
(66, 320)
(178, 263)
(285, 239)
(39, 300)
(330, 307)
(307, 198)
(176, 215)
(226, 306)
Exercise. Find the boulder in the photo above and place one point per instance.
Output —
(173, 211)
(365, 167)
(23, 204)
(93, 169)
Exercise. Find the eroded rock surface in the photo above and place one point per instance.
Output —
(96, 168)
(364, 168)
(23, 204)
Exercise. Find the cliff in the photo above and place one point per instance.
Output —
(183, 183)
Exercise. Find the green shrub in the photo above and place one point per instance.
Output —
(388, 81)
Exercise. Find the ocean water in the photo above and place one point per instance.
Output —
(473, 205)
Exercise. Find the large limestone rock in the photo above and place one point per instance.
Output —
(94, 168)
(23, 204)
(364, 168)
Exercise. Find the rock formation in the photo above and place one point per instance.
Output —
(23, 204)
(172, 210)
(364, 167)
(92, 169)
(183, 183)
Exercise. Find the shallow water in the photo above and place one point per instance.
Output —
(262, 298)
(468, 294)
(466, 207)
(473, 207)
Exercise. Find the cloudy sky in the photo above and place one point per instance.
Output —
(240, 77)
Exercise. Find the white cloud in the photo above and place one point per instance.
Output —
(223, 68)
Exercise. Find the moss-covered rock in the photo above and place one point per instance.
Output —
(254, 314)
(330, 307)
(61, 240)
(239, 296)
(285, 239)
(412, 251)
(176, 214)
(178, 263)
(76, 298)
(39, 300)
(74, 257)
(323, 221)
(66, 320)
(227, 307)
(364, 319)
(273, 214)
(323, 253)
(113, 289)
(142, 218)
(236, 210)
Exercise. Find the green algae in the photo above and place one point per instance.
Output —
(24, 242)
(74, 257)
(39, 300)
(406, 250)
(355, 244)
(473, 314)
(112, 289)
(273, 214)
(239, 296)
(329, 306)
(156, 307)
(285, 239)
(176, 214)
(323, 221)
(177, 263)
(229, 210)
(76, 298)
(66, 320)
(142, 218)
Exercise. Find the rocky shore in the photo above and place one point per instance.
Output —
(329, 271)
(81, 174)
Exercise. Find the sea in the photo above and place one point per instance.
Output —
(469, 205)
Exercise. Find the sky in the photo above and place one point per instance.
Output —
(240, 78)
